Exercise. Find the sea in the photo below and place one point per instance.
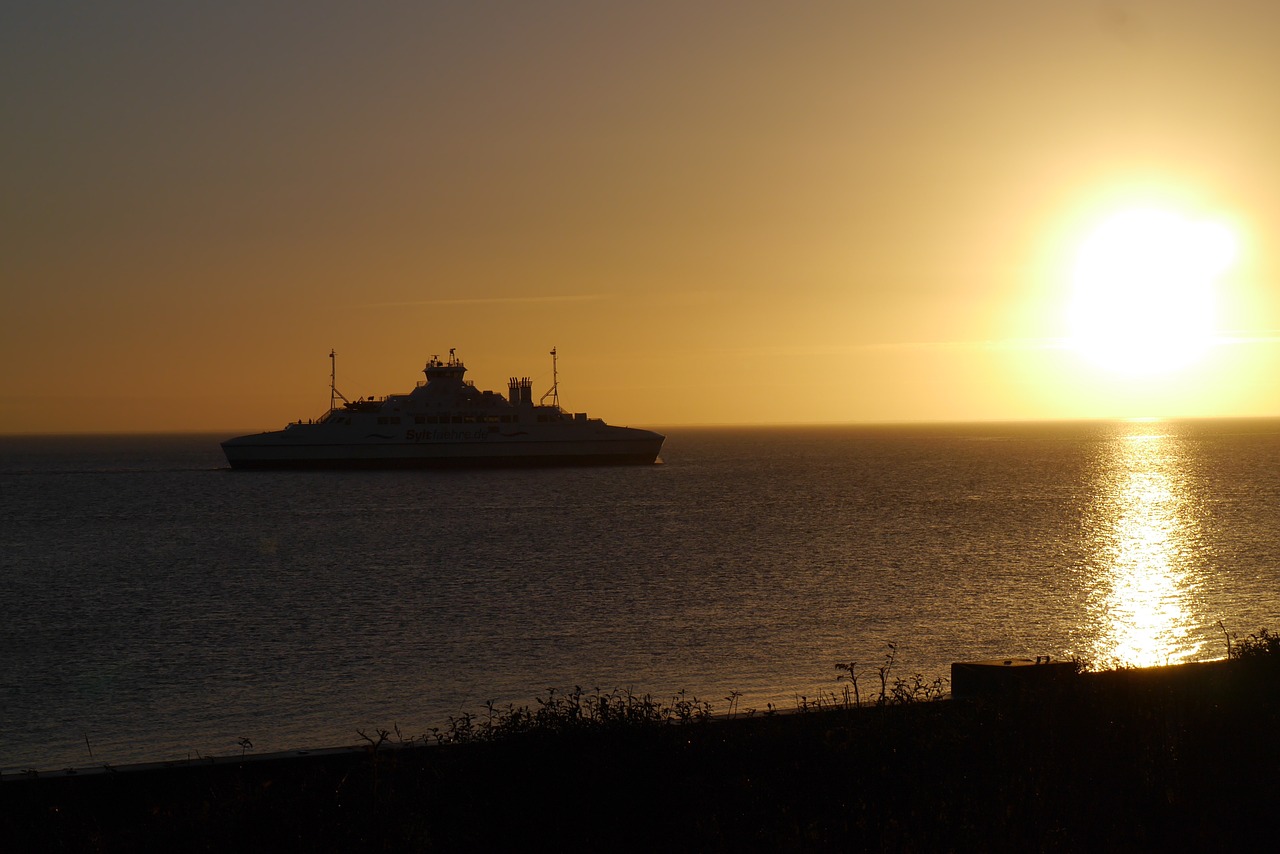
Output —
(155, 605)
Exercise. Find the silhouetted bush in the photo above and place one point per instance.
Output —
(1178, 758)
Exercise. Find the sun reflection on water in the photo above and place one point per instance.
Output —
(1142, 540)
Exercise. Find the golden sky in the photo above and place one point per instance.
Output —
(718, 212)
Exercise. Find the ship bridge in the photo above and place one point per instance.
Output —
(437, 369)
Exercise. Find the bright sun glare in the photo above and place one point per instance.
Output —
(1142, 291)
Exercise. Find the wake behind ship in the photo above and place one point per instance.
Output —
(446, 422)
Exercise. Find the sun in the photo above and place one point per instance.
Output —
(1143, 300)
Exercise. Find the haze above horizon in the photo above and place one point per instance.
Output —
(717, 212)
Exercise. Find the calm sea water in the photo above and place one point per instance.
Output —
(157, 605)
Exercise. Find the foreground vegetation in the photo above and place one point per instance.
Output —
(1180, 758)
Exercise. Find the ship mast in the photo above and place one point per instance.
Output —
(334, 394)
(554, 392)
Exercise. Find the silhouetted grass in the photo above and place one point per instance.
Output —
(1177, 758)
(1258, 647)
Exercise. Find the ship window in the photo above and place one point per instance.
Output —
(418, 419)
(506, 419)
(457, 419)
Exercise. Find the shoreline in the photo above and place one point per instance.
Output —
(1172, 756)
(1209, 673)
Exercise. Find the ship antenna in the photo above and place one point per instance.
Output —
(334, 394)
(554, 392)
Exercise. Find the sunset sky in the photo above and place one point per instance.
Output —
(717, 212)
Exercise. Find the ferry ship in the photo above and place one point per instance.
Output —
(446, 422)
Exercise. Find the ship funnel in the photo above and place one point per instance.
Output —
(522, 395)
